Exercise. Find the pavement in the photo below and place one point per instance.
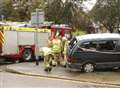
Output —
(30, 69)
(0, 70)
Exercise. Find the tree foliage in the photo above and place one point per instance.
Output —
(21, 10)
(107, 12)
(6, 8)
(68, 12)
(53, 10)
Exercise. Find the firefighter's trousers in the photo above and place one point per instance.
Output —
(47, 61)
(58, 59)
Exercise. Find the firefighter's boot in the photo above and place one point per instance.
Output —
(48, 68)
(63, 63)
(54, 63)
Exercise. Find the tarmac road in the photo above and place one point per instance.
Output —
(10, 80)
(110, 77)
(3, 65)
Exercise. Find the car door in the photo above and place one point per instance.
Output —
(108, 55)
(71, 46)
(86, 51)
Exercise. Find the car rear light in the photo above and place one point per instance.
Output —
(71, 59)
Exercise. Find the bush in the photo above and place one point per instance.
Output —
(77, 33)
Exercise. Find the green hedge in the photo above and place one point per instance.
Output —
(76, 33)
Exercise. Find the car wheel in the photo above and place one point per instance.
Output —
(27, 55)
(88, 67)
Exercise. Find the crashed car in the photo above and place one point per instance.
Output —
(91, 51)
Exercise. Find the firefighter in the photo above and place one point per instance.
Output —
(47, 53)
(56, 47)
(65, 45)
(47, 59)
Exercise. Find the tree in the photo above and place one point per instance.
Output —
(6, 8)
(20, 10)
(107, 12)
(68, 12)
(54, 10)
(40, 4)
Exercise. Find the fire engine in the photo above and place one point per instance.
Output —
(19, 44)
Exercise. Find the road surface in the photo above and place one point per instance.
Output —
(9, 80)
(12, 80)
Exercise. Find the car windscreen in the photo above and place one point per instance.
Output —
(73, 42)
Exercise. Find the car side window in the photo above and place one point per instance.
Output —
(89, 45)
(106, 45)
(118, 46)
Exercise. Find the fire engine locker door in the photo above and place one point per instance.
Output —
(26, 38)
(43, 39)
(10, 42)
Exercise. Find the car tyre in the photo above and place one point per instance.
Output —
(88, 67)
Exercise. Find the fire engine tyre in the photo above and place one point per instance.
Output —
(27, 55)
(88, 67)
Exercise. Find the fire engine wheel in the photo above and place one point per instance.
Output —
(27, 55)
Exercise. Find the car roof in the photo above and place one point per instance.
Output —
(100, 36)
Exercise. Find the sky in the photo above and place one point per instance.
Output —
(88, 5)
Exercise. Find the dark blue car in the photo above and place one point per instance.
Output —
(92, 51)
